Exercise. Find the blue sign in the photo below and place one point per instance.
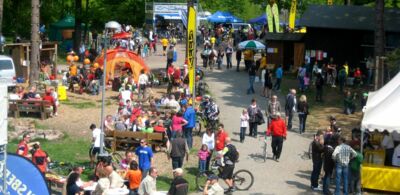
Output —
(22, 177)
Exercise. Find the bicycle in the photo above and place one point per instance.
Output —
(60, 168)
(264, 154)
(201, 121)
(242, 179)
(115, 157)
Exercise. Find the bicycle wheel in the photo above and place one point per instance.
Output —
(243, 179)
(197, 128)
(116, 159)
(201, 179)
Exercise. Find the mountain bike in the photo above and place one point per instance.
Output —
(60, 168)
(115, 156)
(201, 121)
(242, 179)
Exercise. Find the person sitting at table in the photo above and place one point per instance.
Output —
(20, 91)
(159, 128)
(147, 128)
(31, 95)
(129, 157)
(134, 176)
(388, 145)
(81, 184)
(103, 184)
(72, 187)
(396, 156)
(116, 181)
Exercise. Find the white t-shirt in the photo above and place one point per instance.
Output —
(387, 142)
(396, 156)
(96, 136)
(125, 95)
(143, 79)
(209, 141)
(244, 120)
(174, 103)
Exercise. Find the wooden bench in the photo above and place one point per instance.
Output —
(129, 137)
(30, 106)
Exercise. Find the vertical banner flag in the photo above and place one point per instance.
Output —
(292, 14)
(191, 47)
(330, 2)
(270, 22)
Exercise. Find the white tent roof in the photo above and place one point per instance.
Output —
(383, 106)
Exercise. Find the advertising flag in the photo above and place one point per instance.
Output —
(292, 14)
(191, 47)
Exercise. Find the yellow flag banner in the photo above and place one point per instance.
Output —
(330, 2)
(292, 14)
(191, 47)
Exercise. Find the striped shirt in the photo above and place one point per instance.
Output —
(343, 153)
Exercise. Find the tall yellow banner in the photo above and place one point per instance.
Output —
(292, 14)
(191, 47)
(329, 2)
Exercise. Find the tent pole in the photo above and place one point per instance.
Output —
(362, 141)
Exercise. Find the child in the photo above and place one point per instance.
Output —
(145, 50)
(203, 155)
(306, 81)
(56, 102)
(134, 176)
(244, 122)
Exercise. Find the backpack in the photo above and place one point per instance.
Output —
(232, 154)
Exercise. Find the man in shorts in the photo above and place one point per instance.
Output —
(229, 161)
(95, 149)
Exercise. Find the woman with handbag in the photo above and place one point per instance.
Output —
(254, 113)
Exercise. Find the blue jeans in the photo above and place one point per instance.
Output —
(302, 120)
(188, 136)
(326, 182)
(355, 182)
(202, 165)
(315, 173)
(144, 172)
(242, 132)
(229, 60)
(277, 85)
(177, 162)
(251, 83)
(301, 83)
(173, 135)
(342, 172)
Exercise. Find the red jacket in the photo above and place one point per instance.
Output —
(277, 127)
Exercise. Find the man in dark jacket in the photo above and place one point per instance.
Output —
(317, 148)
(177, 151)
(238, 58)
(179, 186)
(329, 164)
(290, 107)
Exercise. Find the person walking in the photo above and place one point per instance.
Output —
(148, 185)
(145, 157)
(278, 75)
(230, 156)
(229, 51)
(329, 163)
(252, 69)
(319, 86)
(342, 155)
(267, 91)
(317, 148)
(254, 113)
(177, 123)
(95, 148)
(244, 123)
(290, 107)
(177, 151)
(190, 116)
(302, 110)
(273, 107)
(238, 58)
(277, 129)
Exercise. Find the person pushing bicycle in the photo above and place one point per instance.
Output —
(229, 157)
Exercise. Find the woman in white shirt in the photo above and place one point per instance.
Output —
(244, 122)
(388, 145)
(209, 140)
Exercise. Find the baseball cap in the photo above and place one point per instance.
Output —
(212, 177)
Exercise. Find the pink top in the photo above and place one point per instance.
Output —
(203, 154)
(177, 123)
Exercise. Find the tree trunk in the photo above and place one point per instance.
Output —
(78, 27)
(1, 24)
(86, 21)
(35, 43)
(379, 49)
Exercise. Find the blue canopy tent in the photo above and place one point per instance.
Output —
(259, 20)
(223, 17)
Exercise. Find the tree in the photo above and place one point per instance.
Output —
(78, 25)
(35, 42)
(379, 49)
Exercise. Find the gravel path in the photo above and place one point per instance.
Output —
(290, 175)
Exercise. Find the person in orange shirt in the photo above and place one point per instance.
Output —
(134, 176)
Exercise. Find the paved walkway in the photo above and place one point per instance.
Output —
(290, 175)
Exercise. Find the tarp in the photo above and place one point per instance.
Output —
(122, 35)
(68, 22)
(223, 17)
(169, 16)
(118, 59)
(382, 109)
(259, 20)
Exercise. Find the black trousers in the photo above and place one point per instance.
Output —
(253, 129)
(277, 143)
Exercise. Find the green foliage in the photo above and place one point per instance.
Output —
(393, 62)
(244, 9)
(79, 105)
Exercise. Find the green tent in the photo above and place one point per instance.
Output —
(58, 28)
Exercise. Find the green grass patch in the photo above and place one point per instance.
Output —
(37, 125)
(79, 105)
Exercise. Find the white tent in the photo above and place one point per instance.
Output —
(383, 106)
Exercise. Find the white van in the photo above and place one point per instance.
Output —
(7, 71)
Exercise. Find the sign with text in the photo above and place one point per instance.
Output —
(191, 47)
(22, 177)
